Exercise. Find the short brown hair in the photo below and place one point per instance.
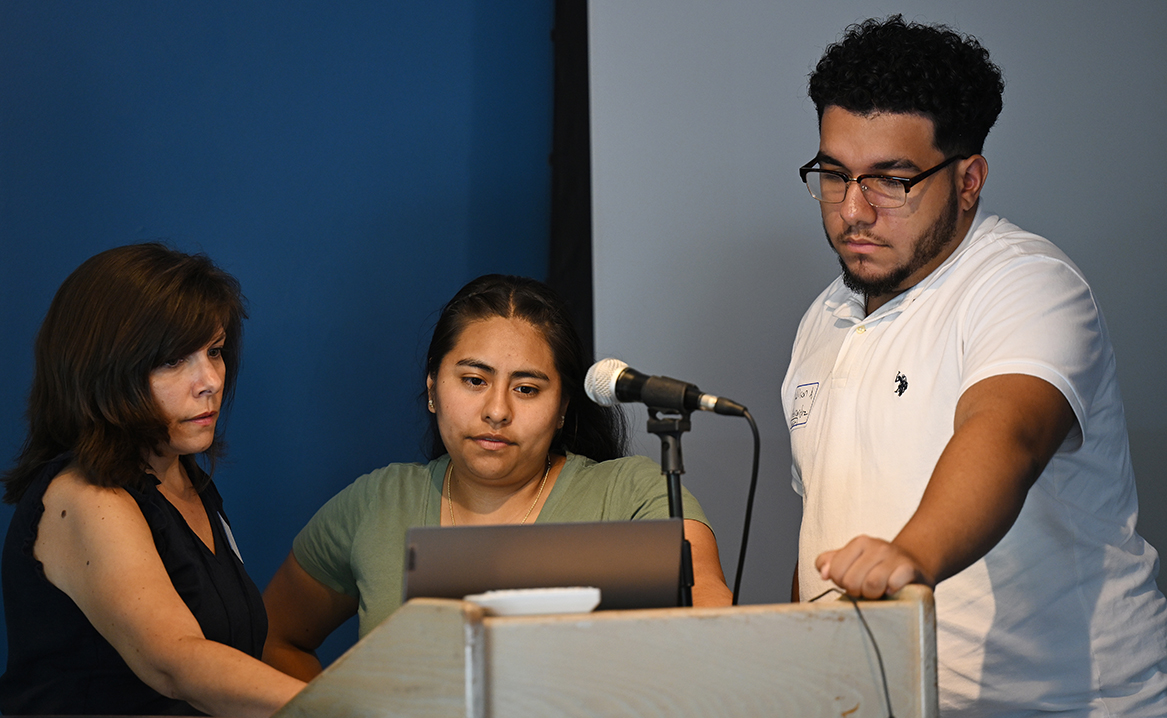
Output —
(118, 316)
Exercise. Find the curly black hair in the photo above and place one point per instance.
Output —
(930, 70)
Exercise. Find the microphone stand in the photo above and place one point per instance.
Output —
(669, 429)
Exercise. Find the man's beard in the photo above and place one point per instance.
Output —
(929, 244)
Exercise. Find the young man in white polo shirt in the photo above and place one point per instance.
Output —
(954, 414)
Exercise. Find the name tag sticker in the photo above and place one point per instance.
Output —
(804, 396)
(230, 538)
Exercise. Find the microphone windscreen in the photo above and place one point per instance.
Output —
(600, 382)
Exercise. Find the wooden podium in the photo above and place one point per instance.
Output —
(436, 657)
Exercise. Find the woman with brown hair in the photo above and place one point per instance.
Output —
(123, 588)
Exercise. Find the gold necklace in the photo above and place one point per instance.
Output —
(450, 491)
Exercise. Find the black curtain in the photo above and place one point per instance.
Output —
(570, 270)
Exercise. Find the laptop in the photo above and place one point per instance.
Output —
(635, 564)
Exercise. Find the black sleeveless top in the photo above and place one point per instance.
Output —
(59, 664)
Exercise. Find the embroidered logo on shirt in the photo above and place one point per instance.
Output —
(901, 384)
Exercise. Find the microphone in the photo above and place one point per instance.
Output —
(611, 380)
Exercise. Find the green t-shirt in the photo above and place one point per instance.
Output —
(355, 544)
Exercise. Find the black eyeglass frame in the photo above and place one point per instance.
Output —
(908, 183)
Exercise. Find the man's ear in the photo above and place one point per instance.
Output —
(971, 175)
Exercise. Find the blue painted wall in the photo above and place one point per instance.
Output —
(352, 163)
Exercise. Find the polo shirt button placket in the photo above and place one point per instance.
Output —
(847, 357)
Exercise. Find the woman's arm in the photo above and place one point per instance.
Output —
(96, 547)
(301, 613)
(709, 587)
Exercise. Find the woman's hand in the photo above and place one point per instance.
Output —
(97, 548)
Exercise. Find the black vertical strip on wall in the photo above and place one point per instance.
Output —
(569, 269)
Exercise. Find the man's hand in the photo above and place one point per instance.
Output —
(1005, 430)
(870, 568)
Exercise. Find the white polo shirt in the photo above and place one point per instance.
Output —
(1063, 614)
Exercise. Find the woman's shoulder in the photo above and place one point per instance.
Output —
(396, 476)
(84, 511)
(71, 490)
(624, 464)
(363, 508)
(85, 522)
(614, 490)
(396, 483)
(38, 477)
(621, 470)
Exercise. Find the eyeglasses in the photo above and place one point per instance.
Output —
(880, 191)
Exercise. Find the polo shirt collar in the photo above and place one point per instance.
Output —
(844, 303)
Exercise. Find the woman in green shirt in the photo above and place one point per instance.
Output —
(515, 440)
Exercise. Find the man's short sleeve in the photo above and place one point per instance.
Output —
(1037, 316)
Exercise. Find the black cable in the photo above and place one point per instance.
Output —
(878, 655)
(741, 561)
(874, 643)
(824, 593)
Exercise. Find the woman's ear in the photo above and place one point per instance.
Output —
(429, 390)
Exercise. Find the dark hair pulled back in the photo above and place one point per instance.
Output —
(588, 428)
